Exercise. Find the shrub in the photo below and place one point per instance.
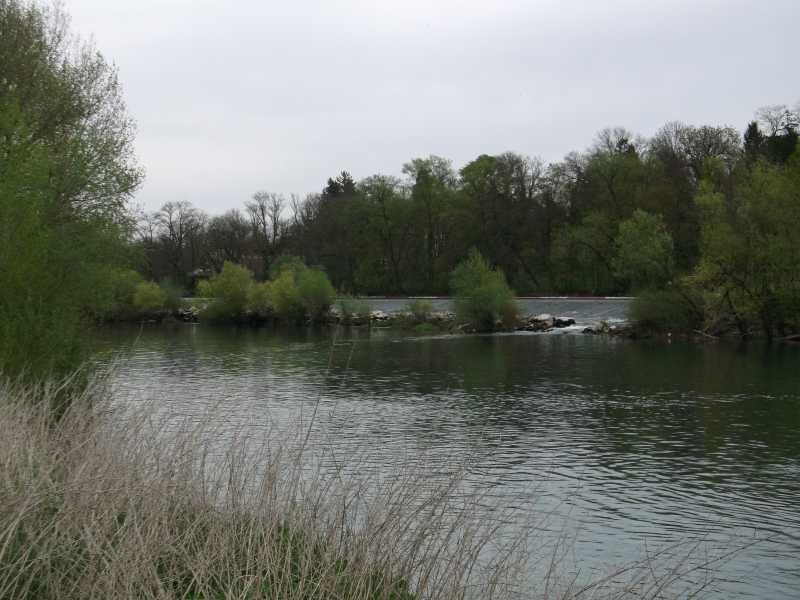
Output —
(350, 307)
(116, 298)
(259, 299)
(481, 293)
(299, 291)
(315, 291)
(420, 309)
(229, 288)
(425, 328)
(285, 297)
(148, 298)
(674, 309)
(285, 262)
(173, 294)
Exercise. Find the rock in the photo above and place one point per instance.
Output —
(563, 322)
(542, 322)
(597, 328)
(442, 316)
(188, 314)
(355, 320)
(378, 315)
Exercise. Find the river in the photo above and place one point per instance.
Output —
(629, 446)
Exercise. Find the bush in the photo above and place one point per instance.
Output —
(674, 309)
(116, 298)
(173, 294)
(230, 289)
(259, 300)
(285, 297)
(148, 298)
(481, 294)
(425, 328)
(298, 292)
(350, 307)
(315, 291)
(285, 262)
(420, 309)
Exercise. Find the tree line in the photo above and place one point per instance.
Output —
(624, 215)
(704, 215)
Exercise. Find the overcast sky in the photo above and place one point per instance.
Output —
(233, 97)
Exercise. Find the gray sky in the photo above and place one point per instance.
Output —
(232, 97)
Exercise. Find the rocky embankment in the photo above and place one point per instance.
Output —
(442, 321)
(446, 321)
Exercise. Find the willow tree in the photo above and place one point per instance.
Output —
(67, 172)
(750, 265)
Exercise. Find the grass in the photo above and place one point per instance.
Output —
(109, 501)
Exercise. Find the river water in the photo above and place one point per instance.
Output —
(629, 446)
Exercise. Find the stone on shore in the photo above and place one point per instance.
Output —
(564, 322)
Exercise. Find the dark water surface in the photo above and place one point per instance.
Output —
(628, 446)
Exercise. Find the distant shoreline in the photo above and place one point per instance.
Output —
(517, 297)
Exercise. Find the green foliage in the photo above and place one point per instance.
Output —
(230, 289)
(350, 308)
(259, 299)
(315, 291)
(425, 329)
(114, 301)
(172, 293)
(297, 292)
(749, 270)
(621, 216)
(66, 172)
(148, 298)
(72, 99)
(301, 292)
(583, 255)
(420, 309)
(285, 262)
(285, 297)
(481, 294)
(675, 309)
(54, 266)
(644, 251)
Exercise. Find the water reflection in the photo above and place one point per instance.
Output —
(621, 442)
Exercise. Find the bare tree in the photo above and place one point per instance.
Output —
(147, 227)
(778, 119)
(181, 223)
(266, 219)
(228, 236)
(691, 146)
(304, 211)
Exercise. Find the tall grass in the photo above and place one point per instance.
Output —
(110, 502)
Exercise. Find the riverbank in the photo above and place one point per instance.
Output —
(604, 316)
(538, 314)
